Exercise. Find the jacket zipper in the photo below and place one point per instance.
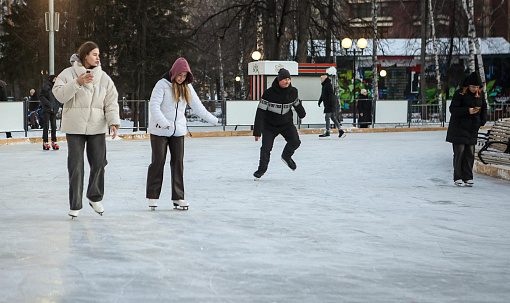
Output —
(175, 119)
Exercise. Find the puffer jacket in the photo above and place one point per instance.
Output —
(88, 109)
(463, 127)
(166, 111)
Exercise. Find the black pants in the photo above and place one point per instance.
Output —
(288, 132)
(96, 155)
(463, 160)
(159, 146)
(8, 135)
(50, 118)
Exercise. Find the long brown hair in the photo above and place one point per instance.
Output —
(85, 49)
(181, 90)
(477, 95)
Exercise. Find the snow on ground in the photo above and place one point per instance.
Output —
(372, 217)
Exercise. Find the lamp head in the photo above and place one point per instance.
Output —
(346, 43)
(256, 55)
(362, 43)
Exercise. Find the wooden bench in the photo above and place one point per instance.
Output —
(494, 146)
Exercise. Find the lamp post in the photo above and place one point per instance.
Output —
(347, 43)
(52, 26)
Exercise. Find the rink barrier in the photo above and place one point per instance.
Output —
(491, 170)
(236, 133)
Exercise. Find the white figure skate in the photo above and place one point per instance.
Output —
(97, 206)
(73, 213)
(153, 203)
(181, 204)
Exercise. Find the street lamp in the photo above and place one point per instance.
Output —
(256, 55)
(383, 73)
(347, 43)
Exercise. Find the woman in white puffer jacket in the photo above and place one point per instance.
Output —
(167, 127)
(90, 105)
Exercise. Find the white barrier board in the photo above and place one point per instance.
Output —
(11, 116)
(240, 112)
(314, 113)
(391, 111)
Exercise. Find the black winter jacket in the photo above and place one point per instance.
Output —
(463, 127)
(365, 107)
(275, 108)
(48, 100)
(327, 96)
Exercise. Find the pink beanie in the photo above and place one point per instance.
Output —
(181, 65)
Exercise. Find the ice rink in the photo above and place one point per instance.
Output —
(372, 217)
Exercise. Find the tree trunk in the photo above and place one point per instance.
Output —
(474, 41)
(423, 83)
(222, 82)
(375, 72)
(436, 60)
(303, 28)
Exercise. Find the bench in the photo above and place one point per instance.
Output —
(494, 146)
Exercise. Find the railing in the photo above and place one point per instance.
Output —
(135, 115)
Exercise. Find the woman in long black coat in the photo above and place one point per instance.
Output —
(468, 112)
(364, 109)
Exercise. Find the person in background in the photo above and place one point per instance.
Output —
(167, 129)
(329, 99)
(468, 112)
(364, 109)
(50, 107)
(3, 97)
(90, 105)
(274, 117)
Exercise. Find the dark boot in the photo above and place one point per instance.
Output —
(290, 163)
(325, 134)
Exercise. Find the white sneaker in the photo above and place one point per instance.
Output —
(458, 182)
(153, 203)
(469, 183)
(73, 213)
(97, 206)
(181, 204)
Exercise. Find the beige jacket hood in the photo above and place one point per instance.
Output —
(88, 109)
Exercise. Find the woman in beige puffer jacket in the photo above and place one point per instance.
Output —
(90, 105)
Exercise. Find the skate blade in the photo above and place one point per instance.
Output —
(324, 138)
(153, 208)
(182, 208)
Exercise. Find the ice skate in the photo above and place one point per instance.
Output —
(468, 183)
(153, 203)
(55, 146)
(341, 133)
(180, 204)
(46, 146)
(73, 213)
(325, 135)
(258, 174)
(97, 206)
(458, 182)
(289, 162)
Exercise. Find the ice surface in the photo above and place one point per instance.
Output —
(372, 217)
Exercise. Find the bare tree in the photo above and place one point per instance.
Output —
(375, 72)
(436, 58)
(473, 40)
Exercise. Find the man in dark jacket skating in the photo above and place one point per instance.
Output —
(468, 112)
(274, 117)
(50, 107)
(329, 99)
